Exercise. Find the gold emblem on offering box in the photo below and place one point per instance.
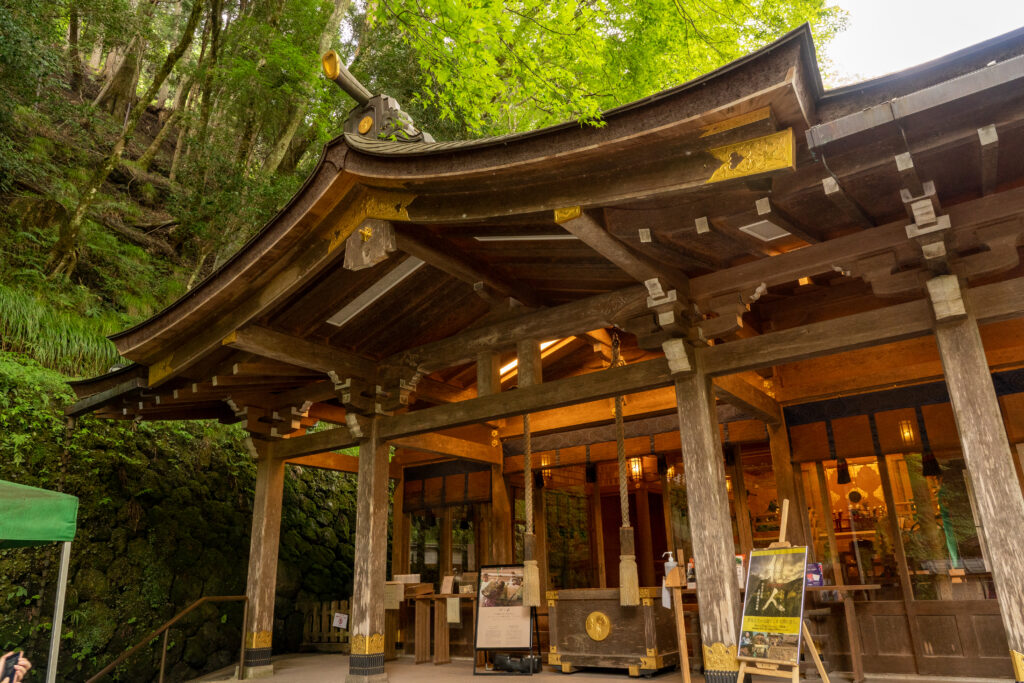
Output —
(365, 124)
(598, 625)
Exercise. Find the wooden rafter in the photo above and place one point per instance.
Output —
(640, 267)
(448, 258)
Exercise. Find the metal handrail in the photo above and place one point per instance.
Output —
(165, 630)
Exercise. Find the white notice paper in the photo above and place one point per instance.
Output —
(454, 613)
(340, 620)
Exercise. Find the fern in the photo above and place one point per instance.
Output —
(59, 339)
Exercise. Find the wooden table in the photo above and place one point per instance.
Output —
(422, 628)
(442, 652)
(852, 628)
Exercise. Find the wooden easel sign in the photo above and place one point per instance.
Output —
(773, 608)
(503, 623)
(773, 611)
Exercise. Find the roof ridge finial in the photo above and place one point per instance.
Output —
(375, 116)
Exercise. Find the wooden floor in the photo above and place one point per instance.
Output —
(324, 668)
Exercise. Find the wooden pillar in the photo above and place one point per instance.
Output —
(263, 545)
(499, 536)
(399, 530)
(666, 510)
(501, 519)
(488, 374)
(597, 537)
(986, 451)
(739, 495)
(444, 537)
(708, 502)
(366, 626)
(644, 544)
(785, 482)
(540, 529)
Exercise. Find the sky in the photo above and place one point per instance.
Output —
(883, 36)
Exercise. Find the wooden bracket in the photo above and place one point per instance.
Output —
(728, 318)
(680, 357)
(369, 244)
(946, 297)
(357, 395)
(881, 272)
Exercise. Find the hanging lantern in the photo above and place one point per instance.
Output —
(842, 472)
(636, 469)
(907, 433)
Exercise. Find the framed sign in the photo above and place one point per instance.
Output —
(502, 620)
(773, 606)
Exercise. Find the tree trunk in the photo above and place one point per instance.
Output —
(204, 106)
(282, 145)
(96, 57)
(62, 257)
(296, 150)
(180, 103)
(118, 94)
(73, 55)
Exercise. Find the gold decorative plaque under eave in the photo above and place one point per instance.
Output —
(598, 626)
(773, 152)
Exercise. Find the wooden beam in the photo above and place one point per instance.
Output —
(560, 321)
(91, 403)
(740, 392)
(452, 261)
(820, 258)
(270, 369)
(269, 343)
(339, 462)
(595, 385)
(903, 321)
(768, 210)
(908, 174)
(638, 266)
(998, 301)
(846, 205)
(441, 444)
(989, 141)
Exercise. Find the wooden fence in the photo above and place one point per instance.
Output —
(319, 632)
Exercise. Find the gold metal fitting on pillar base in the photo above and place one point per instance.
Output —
(720, 663)
(366, 663)
(1018, 665)
(257, 654)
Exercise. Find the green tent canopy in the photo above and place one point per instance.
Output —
(29, 516)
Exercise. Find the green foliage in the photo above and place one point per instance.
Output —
(164, 517)
(515, 66)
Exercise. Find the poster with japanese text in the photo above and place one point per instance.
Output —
(773, 606)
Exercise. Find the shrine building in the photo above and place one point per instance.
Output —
(579, 344)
